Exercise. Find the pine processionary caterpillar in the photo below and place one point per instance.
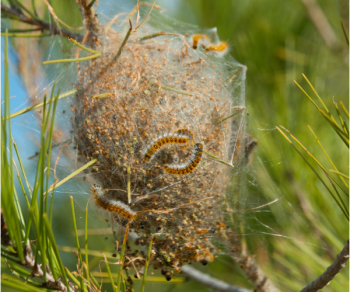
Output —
(186, 132)
(189, 166)
(181, 137)
(220, 48)
(112, 205)
(196, 38)
(207, 45)
(95, 189)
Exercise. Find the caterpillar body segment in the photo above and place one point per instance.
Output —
(204, 41)
(176, 138)
(221, 48)
(186, 132)
(112, 205)
(188, 167)
(196, 39)
(96, 190)
(115, 206)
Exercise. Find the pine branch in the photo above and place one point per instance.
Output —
(248, 264)
(37, 271)
(40, 23)
(91, 19)
(209, 281)
(331, 271)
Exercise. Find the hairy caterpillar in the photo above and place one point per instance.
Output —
(189, 166)
(207, 45)
(220, 48)
(196, 38)
(186, 132)
(112, 205)
(183, 137)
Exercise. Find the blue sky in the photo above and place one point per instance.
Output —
(22, 126)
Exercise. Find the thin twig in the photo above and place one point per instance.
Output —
(255, 208)
(209, 281)
(136, 7)
(144, 20)
(162, 33)
(54, 186)
(331, 271)
(175, 90)
(249, 266)
(40, 104)
(41, 24)
(90, 4)
(38, 272)
(57, 20)
(123, 43)
(230, 116)
(26, 35)
(173, 209)
(218, 159)
(91, 19)
(131, 14)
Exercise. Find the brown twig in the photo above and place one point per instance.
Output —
(173, 209)
(29, 262)
(248, 264)
(41, 24)
(57, 20)
(136, 8)
(84, 40)
(117, 55)
(209, 281)
(91, 20)
(162, 33)
(199, 61)
(331, 271)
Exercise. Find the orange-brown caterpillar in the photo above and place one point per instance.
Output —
(177, 138)
(207, 45)
(112, 205)
(196, 38)
(220, 48)
(186, 132)
(189, 166)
